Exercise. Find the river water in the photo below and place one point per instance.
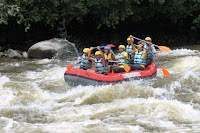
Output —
(35, 98)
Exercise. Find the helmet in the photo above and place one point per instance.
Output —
(86, 50)
(148, 39)
(97, 53)
(108, 48)
(130, 39)
(121, 46)
(140, 45)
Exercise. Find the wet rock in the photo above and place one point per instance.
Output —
(25, 55)
(13, 54)
(49, 48)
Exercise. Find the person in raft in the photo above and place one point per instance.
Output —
(85, 60)
(108, 54)
(140, 56)
(151, 51)
(129, 47)
(122, 58)
(100, 62)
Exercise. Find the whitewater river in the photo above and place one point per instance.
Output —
(35, 98)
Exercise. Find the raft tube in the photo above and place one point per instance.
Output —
(76, 77)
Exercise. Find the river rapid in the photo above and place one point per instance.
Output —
(35, 98)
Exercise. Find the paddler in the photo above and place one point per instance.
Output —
(139, 56)
(122, 58)
(108, 54)
(129, 47)
(100, 62)
(153, 51)
(85, 61)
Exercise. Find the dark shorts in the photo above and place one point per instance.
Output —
(116, 69)
(136, 67)
(149, 61)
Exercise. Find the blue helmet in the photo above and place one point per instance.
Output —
(108, 48)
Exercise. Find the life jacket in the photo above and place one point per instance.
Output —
(149, 54)
(129, 49)
(121, 59)
(107, 57)
(85, 64)
(101, 69)
(138, 59)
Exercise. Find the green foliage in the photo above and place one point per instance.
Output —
(60, 13)
(196, 23)
(6, 11)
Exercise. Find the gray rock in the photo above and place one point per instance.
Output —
(13, 54)
(25, 55)
(49, 48)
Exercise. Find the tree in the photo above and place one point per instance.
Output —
(60, 13)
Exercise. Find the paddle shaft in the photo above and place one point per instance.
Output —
(154, 57)
(144, 41)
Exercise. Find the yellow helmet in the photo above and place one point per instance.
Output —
(121, 46)
(86, 50)
(140, 45)
(130, 39)
(148, 39)
(97, 53)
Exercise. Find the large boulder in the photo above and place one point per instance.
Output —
(49, 48)
(13, 54)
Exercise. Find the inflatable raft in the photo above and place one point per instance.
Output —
(76, 77)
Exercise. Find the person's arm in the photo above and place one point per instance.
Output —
(89, 55)
(154, 51)
(144, 54)
(133, 46)
(112, 55)
(103, 61)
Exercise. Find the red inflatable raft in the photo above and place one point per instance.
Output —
(75, 76)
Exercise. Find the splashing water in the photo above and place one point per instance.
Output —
(35, 98)
(61, 54)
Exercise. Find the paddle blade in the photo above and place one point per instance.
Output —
(69, 67)
(165, 72)
(110, 45)
(164, 48)
(127, 68)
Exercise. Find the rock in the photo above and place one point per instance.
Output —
(18, 51)
(13, 54)
(49, 48)
(1, 54)
(25, 55)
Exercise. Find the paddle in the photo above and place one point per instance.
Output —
(71, 66)
(110, 45)
(162, 48)
(127, 68)
(165, 72)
